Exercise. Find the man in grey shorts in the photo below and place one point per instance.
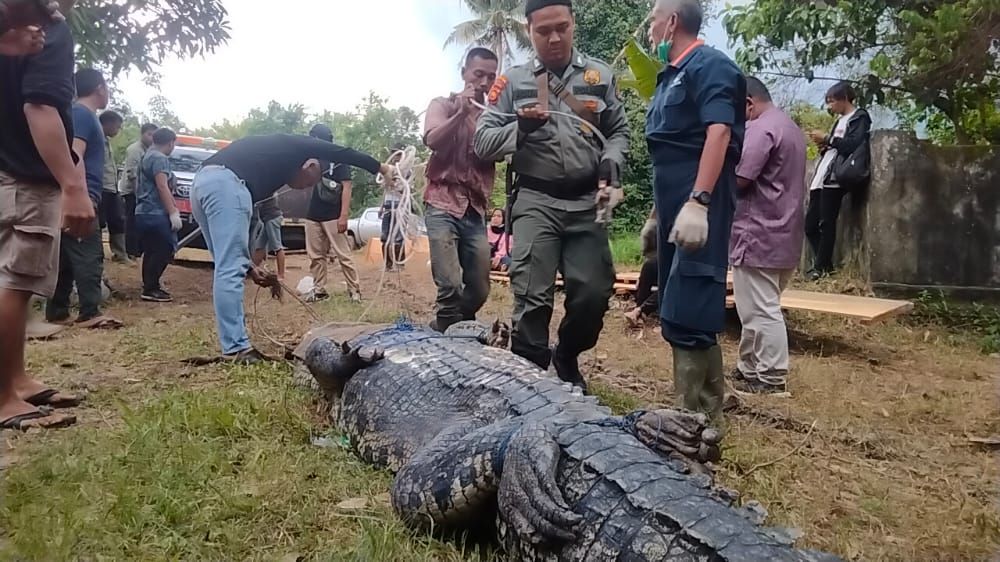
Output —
(268, 234)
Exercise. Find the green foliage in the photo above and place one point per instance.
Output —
(974, 320)
(810, 118)
(921, 58)
(626, 250)
(498, 24)
(644, 68)
(139, 34)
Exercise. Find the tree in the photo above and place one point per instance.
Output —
(919, 57)
(497, 24)
(117, 35)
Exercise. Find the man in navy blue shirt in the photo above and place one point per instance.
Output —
(82, 259)
(694, 129)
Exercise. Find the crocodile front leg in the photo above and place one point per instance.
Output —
(679, 435)
(452, 480)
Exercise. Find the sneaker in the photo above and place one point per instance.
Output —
(157, 296)
(318, 297)
(355, 297)
(757, 386)
(248, 357)
(736, 375)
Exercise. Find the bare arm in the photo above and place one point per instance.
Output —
(713, 156)
(345, 200)
(163, 189)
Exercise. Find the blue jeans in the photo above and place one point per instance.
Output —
(460, 264)
(222, 206)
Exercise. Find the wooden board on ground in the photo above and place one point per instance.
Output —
(626, 282)
(193, 255)
(865, 309)
(39, 330)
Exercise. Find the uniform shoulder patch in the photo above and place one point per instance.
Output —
(592, 76)
(497, 89)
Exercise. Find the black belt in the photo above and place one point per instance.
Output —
(560, 189)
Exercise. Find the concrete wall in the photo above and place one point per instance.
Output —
(932, 217)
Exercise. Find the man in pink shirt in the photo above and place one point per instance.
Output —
(766, 240)
(458, 191)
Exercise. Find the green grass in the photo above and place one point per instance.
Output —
(626, 250)
(212, 474)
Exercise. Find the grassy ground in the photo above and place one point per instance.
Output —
(169, 462)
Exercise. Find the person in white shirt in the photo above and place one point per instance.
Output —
(826, 193)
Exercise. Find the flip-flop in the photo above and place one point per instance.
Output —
(54, 398)
(23, 422)
(101, 323)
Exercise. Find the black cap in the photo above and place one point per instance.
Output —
(322, 132)
(534, 5)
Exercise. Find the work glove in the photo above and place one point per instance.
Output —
(175, 222)
(690, 230)
(609, 191)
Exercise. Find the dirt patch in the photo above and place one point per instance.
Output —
(868, 458)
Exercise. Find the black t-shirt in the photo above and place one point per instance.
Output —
(43, 79)
(267, 162)
(326, 202)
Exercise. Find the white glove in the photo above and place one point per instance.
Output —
(607, 199)
(690, 230)
(175, 222)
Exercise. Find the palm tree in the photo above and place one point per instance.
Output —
(496, 25)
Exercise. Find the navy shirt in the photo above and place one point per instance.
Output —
(43, 79)
(704, 88)
(147, 195)
(87, 127)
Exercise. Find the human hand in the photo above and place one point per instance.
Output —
(388, 174)
(342, 224)
(15, 14)
(818, 137)
(690, 230)
(175, 222)
(466, 98)
(77, 211)
(530, 119)
(22, 41)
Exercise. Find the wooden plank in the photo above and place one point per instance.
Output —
(865, 309)
(193, 255)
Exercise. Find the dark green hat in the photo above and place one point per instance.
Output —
(532, 6)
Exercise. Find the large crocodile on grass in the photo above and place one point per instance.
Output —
(474, 432)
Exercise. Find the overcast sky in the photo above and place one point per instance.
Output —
(325, 54)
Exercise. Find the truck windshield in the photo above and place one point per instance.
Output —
(188, 160)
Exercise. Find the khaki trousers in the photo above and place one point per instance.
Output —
(323, 244)
(764, 342)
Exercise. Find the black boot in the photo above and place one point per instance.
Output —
(568, 369)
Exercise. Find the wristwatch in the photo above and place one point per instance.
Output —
(703, 197)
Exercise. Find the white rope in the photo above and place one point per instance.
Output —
(573, 116)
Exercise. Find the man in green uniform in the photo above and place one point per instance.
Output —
(564, 172)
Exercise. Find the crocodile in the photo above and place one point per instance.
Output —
(474, 433)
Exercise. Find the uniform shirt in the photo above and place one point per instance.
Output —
(147, 195)
(563, 150)
(326, 202)
(457, 179)
(130, 172)
(43, 79)
(267, 162)
(110, 169)
(704, 87)
(87, 128)
(769, 224)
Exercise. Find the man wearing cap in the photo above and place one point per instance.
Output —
(562, 171)
(326, 224)
(694, 129)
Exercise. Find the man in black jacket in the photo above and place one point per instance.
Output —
(826, 193)
(223, 195)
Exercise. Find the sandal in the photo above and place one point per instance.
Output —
(39, 419)
(101, 323)
(55, 399)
